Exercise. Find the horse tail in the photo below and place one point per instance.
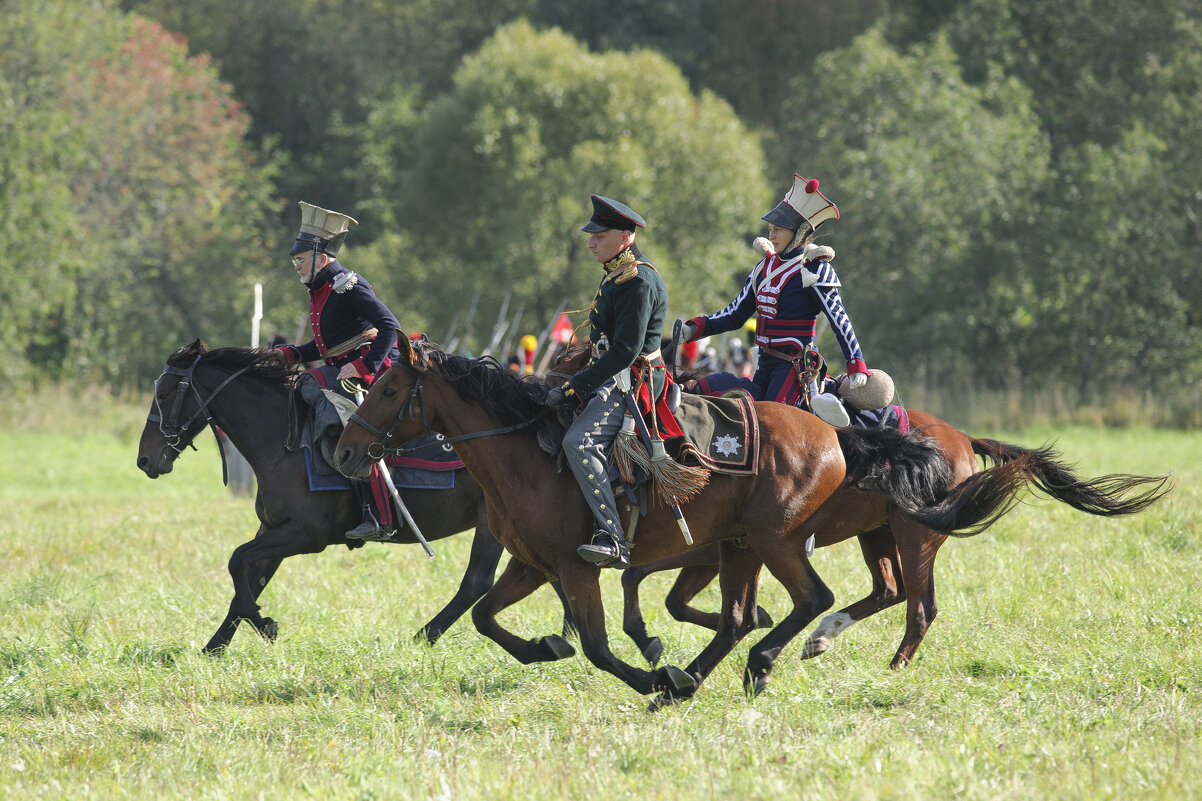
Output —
(1110, 495)
(980, 500)
(909, 468)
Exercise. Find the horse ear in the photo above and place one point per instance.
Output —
(405, 346)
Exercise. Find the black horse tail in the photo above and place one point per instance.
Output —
(909, 468)
(977, 503)
(913, 472)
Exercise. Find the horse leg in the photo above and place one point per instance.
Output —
(700, 565)
(810, 596)
(880, 554)
(582, 585)
(917, 546)
(738, 576)
(264, 552)
(477, 579)
(516, 582)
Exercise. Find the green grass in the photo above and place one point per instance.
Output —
(1065, 662)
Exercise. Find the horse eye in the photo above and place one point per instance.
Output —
(388, 392)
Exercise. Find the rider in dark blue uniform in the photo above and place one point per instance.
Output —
(354, 334)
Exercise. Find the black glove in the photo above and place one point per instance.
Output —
(556, 396)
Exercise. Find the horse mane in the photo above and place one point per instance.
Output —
(502, 393)
(264, 363)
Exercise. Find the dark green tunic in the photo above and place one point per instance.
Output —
(630, 316)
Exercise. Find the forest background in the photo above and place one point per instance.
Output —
(1020, 182)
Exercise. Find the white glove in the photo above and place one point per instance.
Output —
(690, 332)
(857, 380)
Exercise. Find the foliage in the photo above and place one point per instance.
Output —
(504, 165)
(162, 202)
(1062, 246)
(928, 172)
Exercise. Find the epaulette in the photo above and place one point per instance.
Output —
(622, 268)
(345, 281)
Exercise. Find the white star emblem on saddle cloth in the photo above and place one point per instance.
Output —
(727, 445)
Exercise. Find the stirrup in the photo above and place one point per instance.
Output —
(830, 409)
(371, 531)
(605, 551)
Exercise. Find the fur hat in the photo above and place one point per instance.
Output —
(876, 394)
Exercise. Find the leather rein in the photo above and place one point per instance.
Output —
(171, 428)
(377, 451)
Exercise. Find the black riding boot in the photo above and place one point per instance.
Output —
(606, 551)
(370, 529)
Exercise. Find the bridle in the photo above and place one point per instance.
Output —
(170, 427)
(377, 450)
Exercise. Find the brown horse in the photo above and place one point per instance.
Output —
(762, 520)
(899, 550)
(249, 395)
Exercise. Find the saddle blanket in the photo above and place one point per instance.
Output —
(720, 433)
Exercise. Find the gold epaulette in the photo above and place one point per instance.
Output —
(622, 268)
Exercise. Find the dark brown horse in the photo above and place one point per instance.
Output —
(899, 550)
(248, 395)
(763, 520)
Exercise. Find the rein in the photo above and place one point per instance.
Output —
(377, 450)
(169, 426)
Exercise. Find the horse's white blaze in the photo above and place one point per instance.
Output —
(831, 627)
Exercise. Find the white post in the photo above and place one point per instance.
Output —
(254, 321)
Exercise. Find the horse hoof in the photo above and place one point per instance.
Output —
(557, 646)
(426, 636)
(763, 620)
(214, 650)
(754, 685)
(270, 629)
(678, 683)
(662, 701)
(814, 647)
(653, 650)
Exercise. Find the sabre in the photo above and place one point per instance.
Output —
(396, 496)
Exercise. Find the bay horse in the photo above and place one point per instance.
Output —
(755, 521)
(898, 550)
(247, 394)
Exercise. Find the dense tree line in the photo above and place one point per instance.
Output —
(1018, 180)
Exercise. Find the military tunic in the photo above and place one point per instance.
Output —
(342, 305)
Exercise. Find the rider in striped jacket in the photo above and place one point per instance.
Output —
(788, 290)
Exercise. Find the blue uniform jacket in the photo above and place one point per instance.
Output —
(342, 305)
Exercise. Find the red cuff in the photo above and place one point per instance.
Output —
(291, 354)
(858, 366)
(362, 370)
(699, 322)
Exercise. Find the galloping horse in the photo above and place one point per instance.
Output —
(899, 550)
(760, 520)
(248, 394)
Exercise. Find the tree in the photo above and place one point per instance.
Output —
(129, 166)
(505, 163)
(930, 174)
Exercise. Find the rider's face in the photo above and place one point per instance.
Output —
(606, 244)
(779, 237)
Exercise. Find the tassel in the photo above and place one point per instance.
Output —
(629, 452)
(675, 483)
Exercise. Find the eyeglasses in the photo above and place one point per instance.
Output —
(296, 260)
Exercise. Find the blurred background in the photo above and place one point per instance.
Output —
(1019, 186)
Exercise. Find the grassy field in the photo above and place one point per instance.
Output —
(1065, 663)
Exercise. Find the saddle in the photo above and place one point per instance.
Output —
(432, 466)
